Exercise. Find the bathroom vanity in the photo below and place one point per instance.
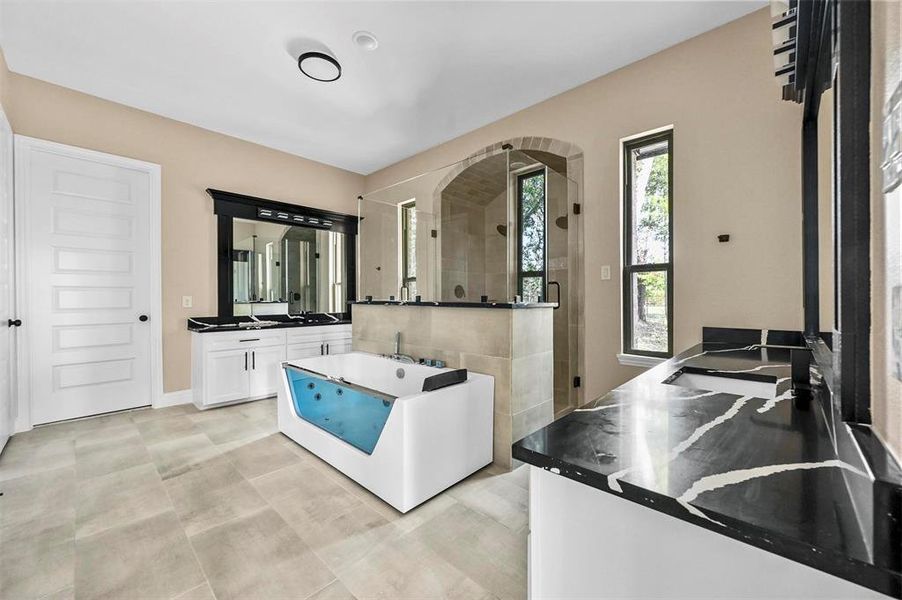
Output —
(736, 488)
(235, 360)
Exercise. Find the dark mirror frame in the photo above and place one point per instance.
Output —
(230, 205)
(834, 50)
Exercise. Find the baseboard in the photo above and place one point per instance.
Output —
(174, 398)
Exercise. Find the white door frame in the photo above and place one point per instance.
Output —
(6, 136)
(24, 144)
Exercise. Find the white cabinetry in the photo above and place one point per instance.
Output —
(234, 366)
(318, 341)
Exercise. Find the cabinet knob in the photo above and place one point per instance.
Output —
(143, 318)
(15, 322)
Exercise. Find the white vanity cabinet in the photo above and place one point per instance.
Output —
(318, 341)
(235, 366)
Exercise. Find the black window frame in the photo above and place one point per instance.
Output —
(405, 207)
(629, 269)
(521, 274)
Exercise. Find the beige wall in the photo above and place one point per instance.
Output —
(192, 160)
(886, 226)
(4, 81)
(736, 171)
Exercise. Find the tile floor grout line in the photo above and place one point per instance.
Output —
(324, 587)
(190, 545)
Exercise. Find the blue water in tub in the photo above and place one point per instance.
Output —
(347, 411)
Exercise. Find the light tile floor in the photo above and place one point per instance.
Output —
(177, 503)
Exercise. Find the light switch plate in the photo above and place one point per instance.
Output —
(187, 301)
(605, 272)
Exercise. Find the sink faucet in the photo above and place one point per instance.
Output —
(397, 354)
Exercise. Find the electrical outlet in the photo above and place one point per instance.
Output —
(605, 272)
(187, 301)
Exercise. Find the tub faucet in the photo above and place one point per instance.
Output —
(397, 354)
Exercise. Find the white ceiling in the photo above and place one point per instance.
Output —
(442, 68)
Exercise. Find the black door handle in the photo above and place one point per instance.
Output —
(254, 360)
(15, 323)
(143, 318)
(245, 361)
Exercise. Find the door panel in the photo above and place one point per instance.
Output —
(266, 363)
(227, 375)
(87, 227)
(305, 350)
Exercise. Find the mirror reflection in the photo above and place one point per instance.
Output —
(279, 269)
(826, 250)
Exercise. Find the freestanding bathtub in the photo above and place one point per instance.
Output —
(368, 417)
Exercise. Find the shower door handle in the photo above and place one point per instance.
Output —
(548, 292)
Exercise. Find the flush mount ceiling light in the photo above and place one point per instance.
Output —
(365, 40)
(319, 66)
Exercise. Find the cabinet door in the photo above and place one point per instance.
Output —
(227, 376)
(265, 372)
(306, 350)
(339, 346)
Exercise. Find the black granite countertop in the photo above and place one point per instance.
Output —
(765, 471)
(214, 324)
(517, 305)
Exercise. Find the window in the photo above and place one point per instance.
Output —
(409, 248)
(531, 225)
(648, 246)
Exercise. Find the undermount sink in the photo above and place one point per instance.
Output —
(728, 385)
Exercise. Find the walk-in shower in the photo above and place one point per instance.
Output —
(503, 226)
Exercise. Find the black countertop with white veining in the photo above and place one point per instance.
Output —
(446, 304)
(770, 472)
(242, 323)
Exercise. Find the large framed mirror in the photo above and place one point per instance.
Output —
(832, 82)
(278, 258)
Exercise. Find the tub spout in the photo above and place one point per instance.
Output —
(397, 354)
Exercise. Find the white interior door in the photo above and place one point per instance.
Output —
(6, 281)
(85, 221)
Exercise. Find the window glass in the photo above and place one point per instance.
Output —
(649, 310)
(532, 222)
(650, 191)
